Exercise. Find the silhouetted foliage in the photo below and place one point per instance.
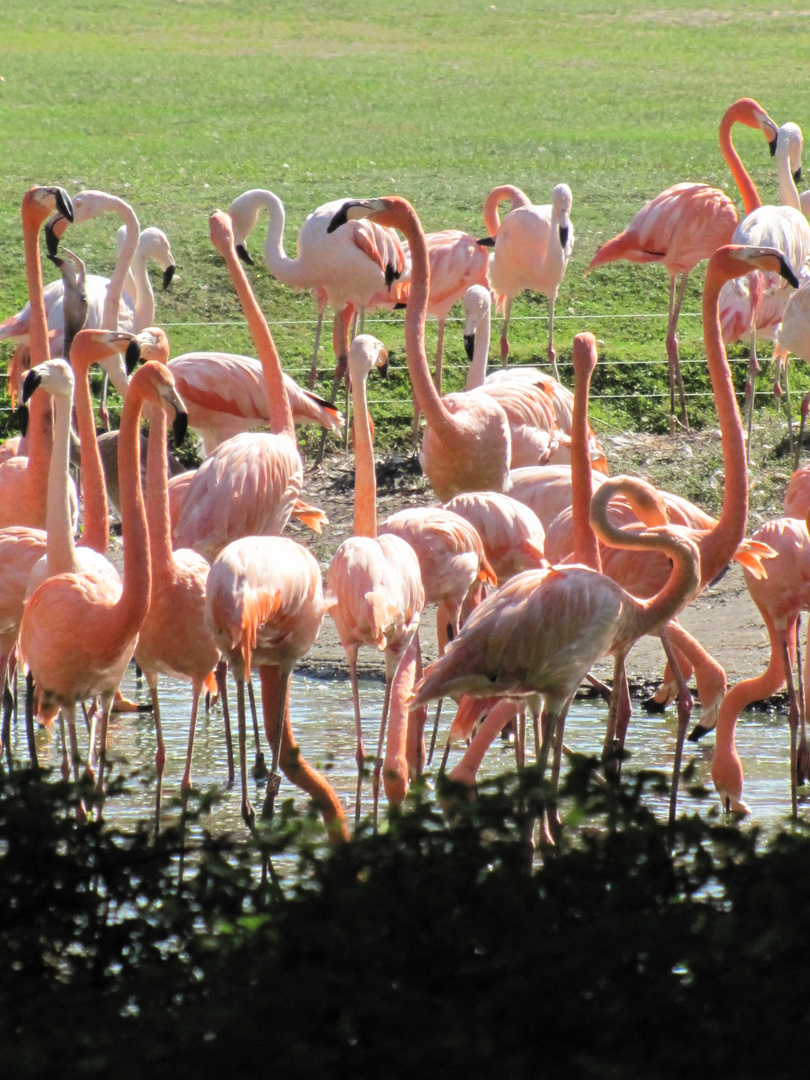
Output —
(439, 946)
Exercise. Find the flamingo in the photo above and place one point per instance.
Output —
(541, 632)
(466, 445)
(78, 632)
(249, 486)
(532, 247)
(685, 224)
(225, 395)
(780, 598)
(23, 480)
(796, 502)
(265, 605)
(512, 535)
(353, 270)
(173, 639)
(374, 582)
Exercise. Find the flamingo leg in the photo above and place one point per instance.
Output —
(274, 732)
(803, 752)
(675, 377)
(375, 776)
(793, 722)
(259, 771)
(313, 371)
(70, 719)
(416, 727)
(8, 709)
(552, 352)
(613, 744)
(791, 444)
(248, 812)
(750, 389)
(437, 371)
(685, 704)
(221, 675)
(196, 687)
(29, 719)
(106, 705)
(65, 769)
(800, 444)
(160, 753)
(360, 751)
(103, 413)
(507, 311)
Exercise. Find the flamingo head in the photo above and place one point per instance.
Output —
(561, 203)
(366, 353)
(477, 307)
(54, 376)
(42, 201)
(154, 384)
(735, 260)
(790, 136)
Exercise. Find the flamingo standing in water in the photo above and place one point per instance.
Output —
(466, 445)
(374, 581)
(24, 480)
(532, 247)
(264, 606)
(540, 633)
(78, 631)
(173, 639)
(250, 485)
(685, 224)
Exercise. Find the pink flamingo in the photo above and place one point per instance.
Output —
(78, 631)
(24, 480)
(685, 224)
(532, 247)
(796, 502)
(466, 445)
(351, 271)
(541, 632)
(173, 639)
(265, 605)
(225, 395)
(374, 581)
(781, 598)
(512, 535)
(250, 484)
(20, 550)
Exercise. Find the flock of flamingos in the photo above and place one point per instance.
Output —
(539, 563)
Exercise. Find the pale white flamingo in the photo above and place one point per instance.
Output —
(532, 247)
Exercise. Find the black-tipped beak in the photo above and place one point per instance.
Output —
(786, 271)
(51, 239)
(469, 345)
(63, 203)
(168, 274)
(563, 235)
(22, 419)
(132, 356)
(772, 146)
(242, 252)
(797, 176)
(30, 383)
(340, 218)
(179, 427)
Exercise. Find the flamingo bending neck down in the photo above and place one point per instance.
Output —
(541, 632)
(684, 225)
(466, 445)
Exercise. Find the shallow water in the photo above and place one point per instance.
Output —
(323, 723)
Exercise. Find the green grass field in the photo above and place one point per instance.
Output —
(178, 107)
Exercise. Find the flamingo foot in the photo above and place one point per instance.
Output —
(124, 705)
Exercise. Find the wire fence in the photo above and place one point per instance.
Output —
(397, 405)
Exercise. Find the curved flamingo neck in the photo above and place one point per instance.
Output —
(684, 579)
(157, 500)
(477, 372)
(134, 601)
(40, 424)
(516, 197)
(61, 553)
(788, 192)
(365, 480)
(126, 254)
(717, 548)
(278, 405)
(142, 292)
(292, 272)
(741, 111)
(96, 533)
(586, 546)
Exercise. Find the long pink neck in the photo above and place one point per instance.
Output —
(122, 264)
(516, 197)
(134, 602)
(718, 547)
(60, 551)
(40, 422)
(157, 500)
(94, 491)
(586, 546)
(740, 111)
(279, 411)
(402, 216)
(365, 480)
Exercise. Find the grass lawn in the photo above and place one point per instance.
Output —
(180, 106)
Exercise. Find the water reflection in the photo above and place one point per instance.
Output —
(323, 723)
